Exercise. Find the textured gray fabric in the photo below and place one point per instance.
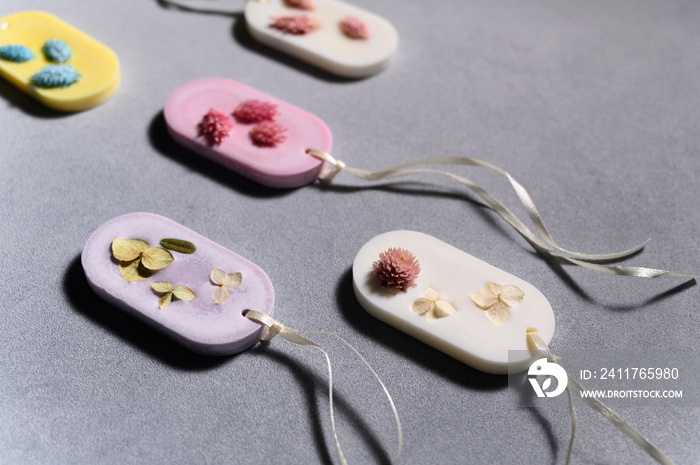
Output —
(592, 105)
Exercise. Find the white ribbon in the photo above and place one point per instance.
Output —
(625, 428)
(292, 335)
(544, 243)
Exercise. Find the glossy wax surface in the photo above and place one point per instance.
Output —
(285, 165)
(97, 64)
(327, 48)
(199, 324)
(466, 335)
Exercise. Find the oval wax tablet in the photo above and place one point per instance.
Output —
(88, 77)
(446, 277)
(191, 316)
(284, 164)
(332, 35)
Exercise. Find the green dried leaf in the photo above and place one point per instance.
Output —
(178, 245)
(128, 249)
(184, 293)
(155, 258)
(165, 300)
(162, 287)
(131, 271)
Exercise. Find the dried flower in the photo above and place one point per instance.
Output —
(301, 4)
(396, 269)
(137, 259)
(181, 292)
(267, 134)
(255, 111)
(56, 51)
(215, 126)
(354, 28)
(178, 245)
(55, 76)
(225, 282)
(432, 306)
(16, 53)
(296, 24)
(497, 300)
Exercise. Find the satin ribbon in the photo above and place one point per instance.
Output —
(544, 242)
(625, 428)
(275, 328)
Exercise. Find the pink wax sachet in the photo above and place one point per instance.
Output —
(257, 136)
(181, 283)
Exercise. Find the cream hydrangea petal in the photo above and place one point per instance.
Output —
(492, 288)
(511, 295)
(484, 300)
(430, 314)
(430, 293)
(443, 308)
(183, 293)
(220, 294)
(165, 300)
(498, 313)
(131, 271)
(162, 287)
(156, 258)
(233, 280)
(217, 276)
(126, 250)
(422, 305)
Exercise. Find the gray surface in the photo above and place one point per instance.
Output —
(592, 105)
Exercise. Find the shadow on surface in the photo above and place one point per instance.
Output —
(127, 328)
(312, 388)
(410, 348)
(18, 99)
(162, 142)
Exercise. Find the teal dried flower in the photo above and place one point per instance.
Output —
(16, 53)
(55, 76)
(56, 51)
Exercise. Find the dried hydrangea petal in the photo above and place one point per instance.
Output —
(267, 134)
(295, 24)
(484, 299)
(16, 53)
(443, 308)
(165, 300)
(220, 294)
(255, 111)
(128, 249)
(301, 4)
(215, 126)
(52, 76)
(162, 287)
(183, 293)
(132, 271)
(354, 28)
(511, 295)
(57, 51)
(498, 313)
(156, 258)
(422, 305)
(233, 280)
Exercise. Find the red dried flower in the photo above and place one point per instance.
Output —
(215, 126)
(255, 111)
(267, 134)
(354, 28)
(302, 4)
(397, 269)
(296, 24)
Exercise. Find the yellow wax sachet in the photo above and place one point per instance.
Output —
(92, 67)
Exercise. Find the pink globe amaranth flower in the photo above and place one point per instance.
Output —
(267, 134)
(255, 111)
(396, 269)
(295, 24)
(302, 4)
(215, 126)
(354, 28)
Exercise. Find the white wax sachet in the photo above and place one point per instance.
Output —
(438, 303)
(332, 35)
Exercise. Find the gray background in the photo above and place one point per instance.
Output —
(592, 105)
